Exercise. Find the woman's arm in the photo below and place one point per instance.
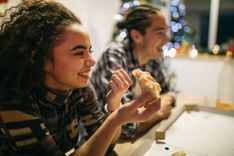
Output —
(130, 112)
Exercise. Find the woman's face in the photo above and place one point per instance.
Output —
(72, 60)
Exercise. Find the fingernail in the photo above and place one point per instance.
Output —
(119, 66)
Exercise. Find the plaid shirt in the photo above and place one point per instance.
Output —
(48, 122)
(120, 54)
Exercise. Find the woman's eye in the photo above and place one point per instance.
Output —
(79, 53)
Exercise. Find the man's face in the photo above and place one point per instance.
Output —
(71, 62)
(154, 38)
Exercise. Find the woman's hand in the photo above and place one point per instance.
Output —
(140, 109)
(119, 84)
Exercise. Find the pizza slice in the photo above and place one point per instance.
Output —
(147, 83)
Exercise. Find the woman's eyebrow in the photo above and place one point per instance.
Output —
(78, 47)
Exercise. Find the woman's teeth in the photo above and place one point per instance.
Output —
(84, 74)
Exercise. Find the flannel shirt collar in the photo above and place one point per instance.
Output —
(131, 55)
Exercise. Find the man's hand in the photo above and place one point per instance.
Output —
(167, 102)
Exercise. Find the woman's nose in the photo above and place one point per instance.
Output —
(90, 61)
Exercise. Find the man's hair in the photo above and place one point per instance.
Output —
(28, 34)
(139, 18)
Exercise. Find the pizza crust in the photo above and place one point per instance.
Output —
(179, 153)
(147, 83)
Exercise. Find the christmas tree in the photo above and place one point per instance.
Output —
(181, 34)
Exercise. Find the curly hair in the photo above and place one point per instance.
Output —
(28, 34)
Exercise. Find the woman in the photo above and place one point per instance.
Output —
(47, 104)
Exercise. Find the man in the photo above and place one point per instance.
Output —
(146, 34)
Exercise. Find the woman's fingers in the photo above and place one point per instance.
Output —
(141, 100)
(113, 85)
(118, 83)
(125, 75)
(150, 110)
(138, 111)
(121, 79)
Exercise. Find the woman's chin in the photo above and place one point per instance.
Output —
(82, 85)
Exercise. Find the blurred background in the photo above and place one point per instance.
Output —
(201, 34)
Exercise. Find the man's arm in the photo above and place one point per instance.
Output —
(167, 103)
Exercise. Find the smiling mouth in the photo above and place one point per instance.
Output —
(84, 74)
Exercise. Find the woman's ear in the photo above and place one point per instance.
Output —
(136, 36)
(48, 65)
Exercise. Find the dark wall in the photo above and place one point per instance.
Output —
(225, 28)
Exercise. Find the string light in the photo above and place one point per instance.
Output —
(180, 31)
(193, 53)
(216, 49)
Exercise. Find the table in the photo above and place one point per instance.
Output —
(144, 144)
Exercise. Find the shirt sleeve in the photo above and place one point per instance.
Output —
(23, 133)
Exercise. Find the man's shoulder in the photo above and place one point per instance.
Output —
(115, 47)
(153, 64)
